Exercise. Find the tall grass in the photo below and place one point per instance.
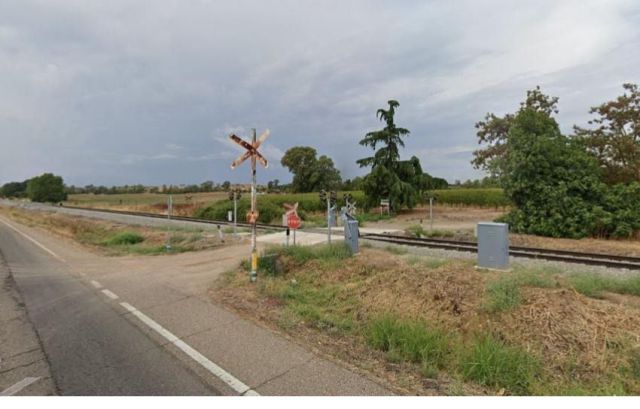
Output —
(492, 363)
(410, 340)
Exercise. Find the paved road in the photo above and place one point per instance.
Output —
(91, 347)
(150, 325)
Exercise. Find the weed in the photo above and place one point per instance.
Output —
(124, 238)
(491, 363)
(426, 261)
(502, 294)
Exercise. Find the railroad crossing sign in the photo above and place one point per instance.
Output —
(252, 150)
(252, 216)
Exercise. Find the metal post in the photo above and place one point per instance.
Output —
(329, 219)
(235, 214)
(294, 237)
(169, 210)
(254, 254)
(288, 237)
(431, 212)
(220, 234)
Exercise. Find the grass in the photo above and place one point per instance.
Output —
(116, 239)
(364, 304)
(594, 285)
(491, 363)
(124, 238)
(427, 262)
(410, 340)
(502, 294)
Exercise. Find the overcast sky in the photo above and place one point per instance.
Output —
(124, 92)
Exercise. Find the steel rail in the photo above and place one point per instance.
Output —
(607, 260)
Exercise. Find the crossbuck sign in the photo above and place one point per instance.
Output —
(255, 156)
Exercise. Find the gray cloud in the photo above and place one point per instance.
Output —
(147, 92)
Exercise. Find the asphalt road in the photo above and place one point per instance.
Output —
(91, 347)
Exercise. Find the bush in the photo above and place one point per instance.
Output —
(124, 238)
(491, 363)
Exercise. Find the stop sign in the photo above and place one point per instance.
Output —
(293, 221)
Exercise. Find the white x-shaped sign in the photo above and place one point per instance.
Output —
(252, 149)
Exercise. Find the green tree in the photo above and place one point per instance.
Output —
(493, 132)
(390, 178)
(615, 141)
(46, 188)
(310, 173)
(14, 189)
(553, 182)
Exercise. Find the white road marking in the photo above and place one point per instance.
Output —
(12, 390)
(96, 284)
(34, 241)
(110, 294)
(236, 384)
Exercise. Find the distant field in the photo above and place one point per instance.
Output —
(308, 201)
(142, 199)
(472, 197)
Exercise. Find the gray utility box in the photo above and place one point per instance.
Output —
(351, 232)
(493, 245)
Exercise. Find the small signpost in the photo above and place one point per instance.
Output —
(385, 204)
(252, 215)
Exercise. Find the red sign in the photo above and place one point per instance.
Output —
(293, 221)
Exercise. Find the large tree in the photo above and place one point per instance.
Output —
(493, 132)
(46, 188)
(310, 173)
(615, 140)
(398, 181)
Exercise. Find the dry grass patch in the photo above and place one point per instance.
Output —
(115, 239)
(431, 326)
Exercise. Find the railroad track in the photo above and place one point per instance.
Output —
(597, 259)
(261, 226)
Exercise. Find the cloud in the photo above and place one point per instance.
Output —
(157, 86)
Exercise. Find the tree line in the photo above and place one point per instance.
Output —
(44, 188)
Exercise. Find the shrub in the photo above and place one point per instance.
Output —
(490, 362)
(124, 238)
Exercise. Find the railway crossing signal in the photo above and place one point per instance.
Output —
(255, 156)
